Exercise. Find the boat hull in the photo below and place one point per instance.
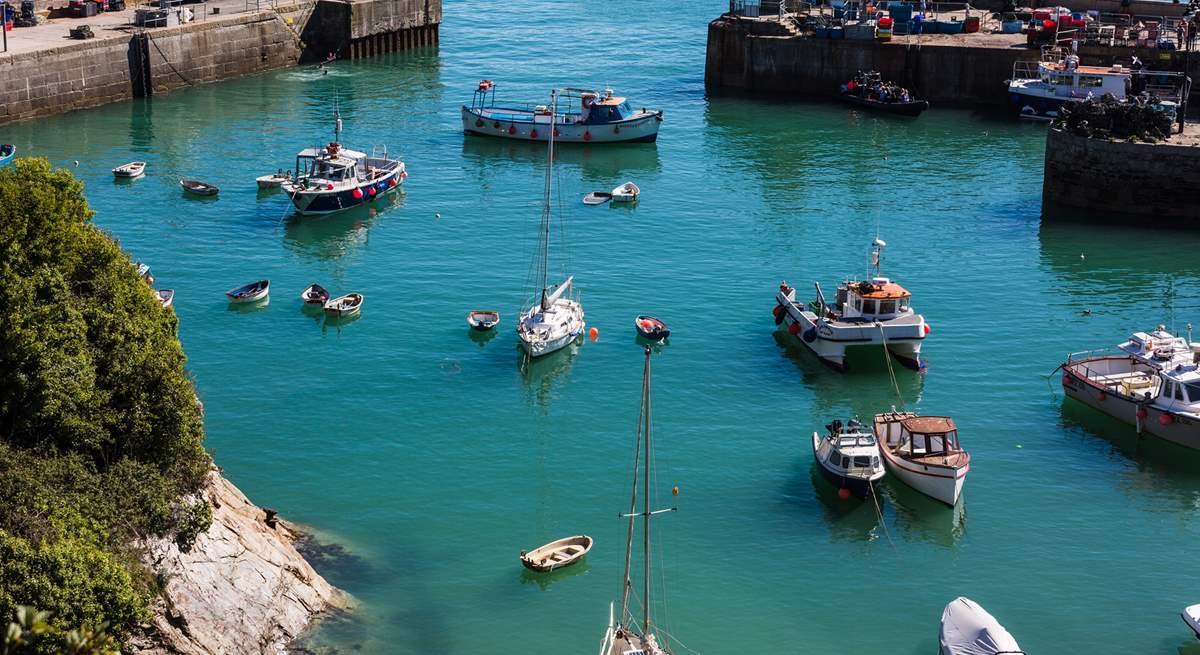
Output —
(912, 109)
(859, 487)
(315, 202)
(829, 340)
(1176, 428)
(537, 345)
(1035, 106)
(938, 482)
(641, 128)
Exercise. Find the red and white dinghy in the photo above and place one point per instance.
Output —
(924, 452)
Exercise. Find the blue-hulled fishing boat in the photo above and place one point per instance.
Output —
(334, 178)
(582, 116)
(7, 152)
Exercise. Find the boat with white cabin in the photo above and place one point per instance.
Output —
(968, 629)
(1151, 382)
(625, 635)
(334, 178)
(588, 116)
(924, 453)
(554, 318)
(848, 456)
(871, 312)
(1038, 90)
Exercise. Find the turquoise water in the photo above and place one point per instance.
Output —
(434, 458)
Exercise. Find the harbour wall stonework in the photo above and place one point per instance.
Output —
(148, 62)
(1100, 180)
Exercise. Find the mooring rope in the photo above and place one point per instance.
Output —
(887, 359)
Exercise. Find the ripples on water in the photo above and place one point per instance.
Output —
(434, 457)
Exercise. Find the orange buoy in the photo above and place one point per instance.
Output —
(675, 490)
(594, 334)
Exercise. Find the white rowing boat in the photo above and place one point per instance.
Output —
(131, 170)
(557, 554)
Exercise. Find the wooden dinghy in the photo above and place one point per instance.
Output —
(252, 292)
(166, 297)
(557, 554)
(131, 170)
(627, 192)
(483, 319)
(196, 187)
(314, 294)
(346, 305)
(651, 328)
(597, 198)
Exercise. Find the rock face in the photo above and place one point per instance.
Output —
(241, 588)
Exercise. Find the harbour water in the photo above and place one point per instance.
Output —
(433, 458)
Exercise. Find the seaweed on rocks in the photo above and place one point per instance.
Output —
(1132, 119)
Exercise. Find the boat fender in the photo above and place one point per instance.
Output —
(1101, 396)
(512, 129)
(778, 311)
(794, 329)
(533, 134)
(587, 136)
(1066, 380)
(926, 328)
(371, 191)
(496, 125)
(843, 493)
(329, 187)
(357, 194)
(392, 182)
(810, 335)
(616, 129)
(556, 134)
(1166, 419)
(478, 122)
(1141, 412)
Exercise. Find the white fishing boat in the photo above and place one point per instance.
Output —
(586, 116)
(1160, 348)
(557, 554)
(247, 293)
(166, 297)
(848, 456)
(871, 312)
(274, 180)
(334, 178)
(554, 318)
(130, 170)
(924, 453)
(1039, 90)
(627, 192)
(347, 305)
(968, 629)
(647, 638)
(1158, 396)
(1191, 616)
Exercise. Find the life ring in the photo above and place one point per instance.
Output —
(1163, 353)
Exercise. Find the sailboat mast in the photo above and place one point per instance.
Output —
(546, 198)
(646, 505)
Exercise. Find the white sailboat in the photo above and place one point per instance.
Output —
(555, 318)
(622, 636)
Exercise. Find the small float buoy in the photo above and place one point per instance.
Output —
(1087, 312)
(1020, 446)
(1081, 256)
(843, 493)
(927, 328)
(437, 214)
(76, 162)
(675, 490)
(594, 334)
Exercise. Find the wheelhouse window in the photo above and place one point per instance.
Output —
(902, 305)
(1091, 81)
(1193, 391)
(869, 306)
(1178, 391)
(858, 303)
(887, 306)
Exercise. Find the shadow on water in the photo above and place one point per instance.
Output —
(848, 519)
(335, 236)
(545, 580)
(482, 337)
(921, 518)
(603, 166)
(338, 323)
(864, 390)
(248, 307)
(541, 373)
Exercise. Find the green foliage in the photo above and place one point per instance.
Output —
(31, 632)
(100, 434)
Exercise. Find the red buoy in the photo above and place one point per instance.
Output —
(587, 136)
(1141, 412)
(392, 182)
(778, 311)
(371, 190)
(794, 329)
(843, 493)
(357, 194)
(329, 187)
(1165, 419)
(926, 328)
(594, 334)
(1101, 396)
(533, 134)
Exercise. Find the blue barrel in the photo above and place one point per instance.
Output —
(918, 24)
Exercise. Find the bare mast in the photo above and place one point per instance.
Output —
(545, 263)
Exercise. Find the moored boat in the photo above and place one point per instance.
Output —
(1160, 348)
(7, 152)
(143, 271)
(335, 178)
(651, 328)
(924, 453)
(869, 90)
(557, 554)
(130, 170)
(347, 305)
(1039, 90)
(314, 294)
(198, 188)
(848, 456)
(554, 318)
(587, 116)
(968, 629)
(597, 198)
(166, 297)
(871, 312)
(274, 180)
(483, 319)
(247, 293)
(1191, 616)
(628, 192)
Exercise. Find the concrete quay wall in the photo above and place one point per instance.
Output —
(1096, 179)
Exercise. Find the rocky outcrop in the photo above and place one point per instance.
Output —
(241, 588)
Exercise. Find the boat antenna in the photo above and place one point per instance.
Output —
(337, 122)
(877, 253)
(545, 235)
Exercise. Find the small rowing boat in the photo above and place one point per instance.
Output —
(131, 170)
(597, 198)
(651, 328)
(483, 319)
(196, 187)
(274, 180)
(314, 294)
(252, 292)
(968, 629)
(7, 152)
(557, 554)
(627, 192)
(143, 271)
(166, 297)
(346, 305)
(1191, 616)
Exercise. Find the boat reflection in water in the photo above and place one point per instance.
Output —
(545, 580)
(541, 373)
(866, 393)
(847, 520)
(335, 236)
(918, 517)
(482, 337)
